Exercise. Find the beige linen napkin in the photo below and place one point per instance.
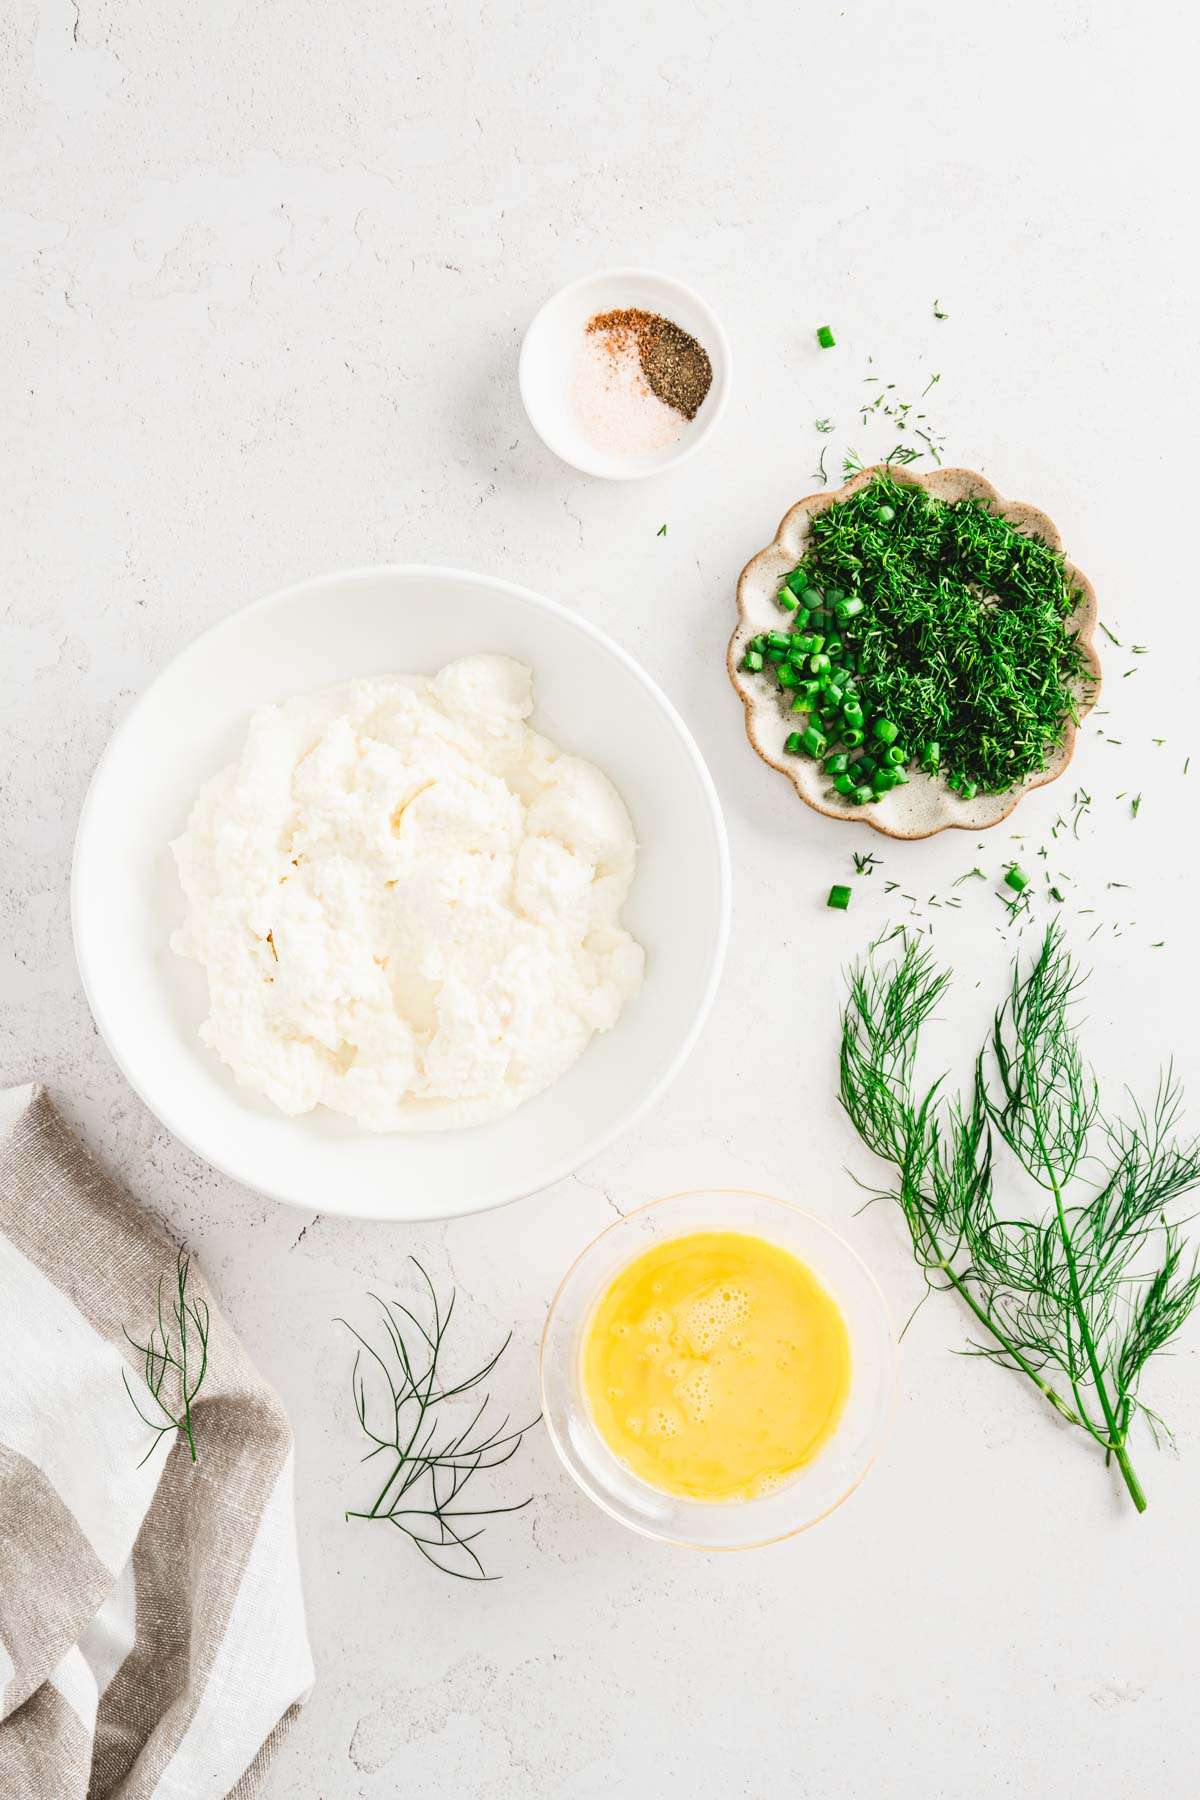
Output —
(152, 1636)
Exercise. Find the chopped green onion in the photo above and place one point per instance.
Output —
(848, 609)
(820, 664)
(895, 755)
(837, 764)
(852, 735)
(779, 640)
(797, 580)
(884, 780)
(844, 784)
(1017, 879)
(814, 741)
(752, 661)
(862, 795)
(839, 897)
(788, 675)
(931, 756)
(825, 337)
(886, 514)
(852, 712)
(885, 731)
(787, 600)
(793, 743)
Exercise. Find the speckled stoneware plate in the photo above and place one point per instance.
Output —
(925, 805)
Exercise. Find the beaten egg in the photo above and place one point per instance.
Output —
(716, 1365)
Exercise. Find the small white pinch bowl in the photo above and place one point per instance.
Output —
(551, 347)
(590, 696)
(926, 805)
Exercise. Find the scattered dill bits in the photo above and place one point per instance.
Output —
(865, 863)
(824, 425)
(937, 312)
(428, 1471)
(1187, 765)
(1057, 894)
(852, 464)
(929, 386)
(1077, 1293)
(903, 454)
(1108, 634)
(1134, 804)
(174, 1361)
(821, 475)
(661, 532)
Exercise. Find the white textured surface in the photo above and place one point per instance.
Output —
(265, 271)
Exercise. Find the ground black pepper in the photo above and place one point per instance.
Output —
(676, 367)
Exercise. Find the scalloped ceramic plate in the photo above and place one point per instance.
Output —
(925, 805)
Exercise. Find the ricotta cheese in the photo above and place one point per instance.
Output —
(407, 901)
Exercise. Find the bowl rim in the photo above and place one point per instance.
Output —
(169, 1114)
(779, 1537)
(689, 445)
(936, 481)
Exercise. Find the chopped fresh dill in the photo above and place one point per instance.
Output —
(937, 312)
(929, 386)
(1134, 804)
(662, 531)
(865, 863)
(851, 465)
(1108, 634)
(824, 425)
(903, 454)
(953, 635)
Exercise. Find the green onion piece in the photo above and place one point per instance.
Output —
(931, 756)
(834, 647)
(793, 743)
(814, 741)
(968, 789)
(838, 764)
(885, 731)
(800, 617)
(779, 640)
(825, 337)
(752, 661)
(789, 675)
(787, 600)
(839, 897)
(884, 780)
(862, 795)
(820, 664)
(895, 754)
(886, 514)
(1017, 879)
(852, 735)
(757, 643)
(844, 784)
(852, 712)
(848, 609)
(798, 580)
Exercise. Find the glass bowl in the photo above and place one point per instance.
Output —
(816, 1489)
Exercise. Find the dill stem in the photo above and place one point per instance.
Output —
(1116, 1437)
(1023, 1364)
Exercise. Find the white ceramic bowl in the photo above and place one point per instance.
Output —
(816, 1489)
(552, 344)
(125, 897)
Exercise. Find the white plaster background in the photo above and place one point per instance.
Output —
(265, 270)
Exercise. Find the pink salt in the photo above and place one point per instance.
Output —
(615, 407)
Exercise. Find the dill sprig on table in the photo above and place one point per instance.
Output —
(1078, 1294)
(429, 1467)
(174, 1361)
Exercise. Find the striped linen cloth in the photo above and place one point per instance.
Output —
(152, 1635)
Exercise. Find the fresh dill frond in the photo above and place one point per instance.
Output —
(174, 1361)
(824, 425)
(865, 862)
(820, 474)
(937, 313)
(1079, 1293)
(429, 1465)
(851, 464)
(661, 532)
